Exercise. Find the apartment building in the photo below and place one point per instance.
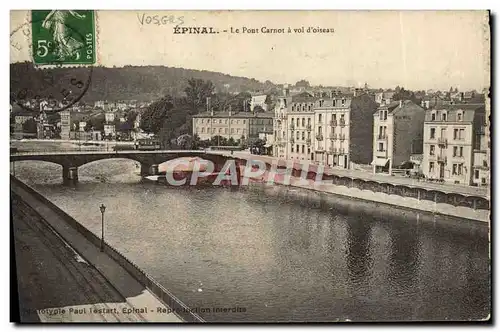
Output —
(452, 134)
(329, 128)
(397, 134)
(238, 126)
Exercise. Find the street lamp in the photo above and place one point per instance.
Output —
(102, 208)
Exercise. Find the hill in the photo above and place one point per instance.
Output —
(142, 83)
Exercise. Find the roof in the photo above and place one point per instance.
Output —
(469, 110)
(241, 115)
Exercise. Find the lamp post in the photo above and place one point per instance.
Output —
(102, 208)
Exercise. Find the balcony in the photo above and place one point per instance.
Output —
(342, 123)
(320, 149)
(381, 153)
(442, 141)
(308, 141)
(308, 127)
(441, 159)
(333, 123)
(319, 137)
(292, 126)
(332, 150)
(457, 157)
(292, 140)
(333, 136)
(342, 137)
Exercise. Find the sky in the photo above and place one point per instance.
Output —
(414, 49)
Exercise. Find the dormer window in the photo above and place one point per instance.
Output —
(343, 102)
(321, 103)
(433, 116)
(459, 116)
(443, 116)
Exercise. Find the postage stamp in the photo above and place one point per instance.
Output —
(63, 36)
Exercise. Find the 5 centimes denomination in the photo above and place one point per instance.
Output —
(63, 36)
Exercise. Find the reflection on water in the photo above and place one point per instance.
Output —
(262, 250)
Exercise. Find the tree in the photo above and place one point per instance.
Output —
(302, 83)
(197, 92)
(153, 118)
(88, 126)
(29, 126)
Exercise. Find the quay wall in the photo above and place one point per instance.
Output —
(400, 197)
(144, 278)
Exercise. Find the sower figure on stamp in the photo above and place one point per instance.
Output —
(65, 44)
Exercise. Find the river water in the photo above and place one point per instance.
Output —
(274, 257)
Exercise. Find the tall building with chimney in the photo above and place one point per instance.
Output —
(397, 134)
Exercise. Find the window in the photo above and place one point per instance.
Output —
(460, 169)
(220, 120)
(202, 120)
(297, 134)
(334, 117)
(244, 121)
(225, 130)
(232, 130)
(431, 167)
(202, 129)
(291, 149)
(433, 116)
(309, 108)
(454, 170)
(320, 130)
(455, 151)
(381, 146)
(309, 121)
(461, 134)
(308, 150)
(485, 163)
(381, 115)
(455, 133)
(220, 130)
(459, 116)
(297, 148)
(476, 174)
(433, 133)
(303, 148)
(303, 135)
(483, 180)
(319, 118)
(308, 135)
(432, 150)
(303, 122)
(461, 151)
(443, 116)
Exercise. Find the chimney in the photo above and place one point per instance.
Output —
(400, 103)
(286, 90)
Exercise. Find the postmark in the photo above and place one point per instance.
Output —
(60, 71)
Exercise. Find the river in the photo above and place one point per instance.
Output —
(275, 258)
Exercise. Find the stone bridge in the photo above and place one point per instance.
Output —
(149, 160)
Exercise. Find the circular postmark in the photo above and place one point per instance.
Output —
(58, 81)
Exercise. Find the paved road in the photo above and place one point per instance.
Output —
(57, 285)
(51, 276)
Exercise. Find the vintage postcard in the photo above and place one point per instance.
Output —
(250, 166)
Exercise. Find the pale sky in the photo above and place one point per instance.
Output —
(414, 49)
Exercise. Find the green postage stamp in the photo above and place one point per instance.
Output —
(63, 37)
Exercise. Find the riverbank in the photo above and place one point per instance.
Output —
(406, 203)
(139, 303)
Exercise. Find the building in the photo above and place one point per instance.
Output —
(109, 117)
(384, 98)
(397, 135)
(327, 128)
(487, 102)
(242, 126)
(258, 100)
(65, 124)
(452, 138)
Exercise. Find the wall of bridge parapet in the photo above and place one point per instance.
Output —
(73, 159)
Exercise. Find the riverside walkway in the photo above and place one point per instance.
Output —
(368, 176)
(63, 277)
